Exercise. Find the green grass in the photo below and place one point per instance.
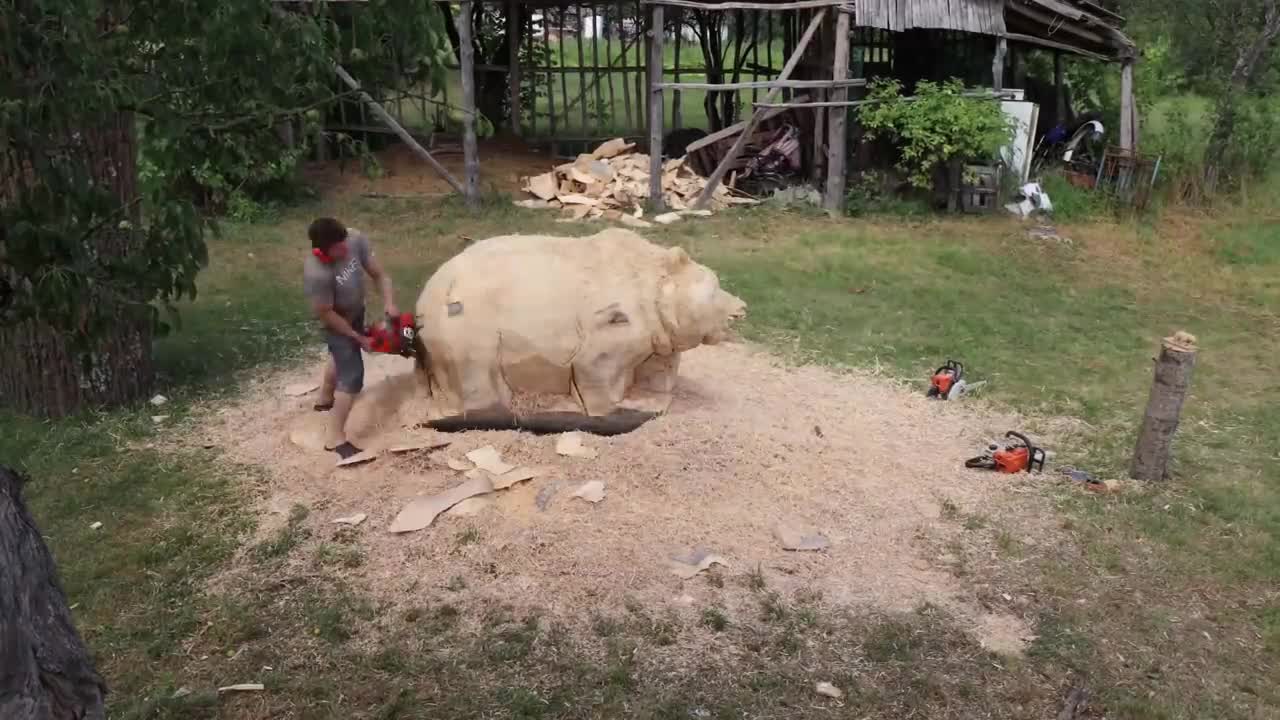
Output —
(1173, 579)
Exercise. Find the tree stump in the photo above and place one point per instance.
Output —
(45, 671)
(1164, 407)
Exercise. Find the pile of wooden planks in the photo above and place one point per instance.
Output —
(613, 182)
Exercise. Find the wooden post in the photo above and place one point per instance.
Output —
(470, 153)
(1059, 87)
(714, 181)
(399, 130)
(655, 111)
(1164, 406)
(513, 63)
(834, 201)
(1128, 134)
(997, 65)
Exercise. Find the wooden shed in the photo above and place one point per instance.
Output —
(599, 70)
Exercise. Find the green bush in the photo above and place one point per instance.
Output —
(939, 124)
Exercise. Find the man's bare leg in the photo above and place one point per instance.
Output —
(336, 438)
(327, 384)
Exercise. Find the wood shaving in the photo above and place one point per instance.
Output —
(488, 459)
(592, 492)
(570, 445)
(421, 512)
(351, 520)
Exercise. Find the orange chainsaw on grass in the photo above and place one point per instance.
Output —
(1014, 457)
(948, 382)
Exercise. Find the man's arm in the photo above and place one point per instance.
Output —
(383, 278)
(336, 323)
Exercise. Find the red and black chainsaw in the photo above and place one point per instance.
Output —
(1014, 457)
(395, 337)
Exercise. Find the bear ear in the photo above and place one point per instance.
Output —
(677, 257)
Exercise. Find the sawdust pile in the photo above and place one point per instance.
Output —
(612, 182)
(749, 451)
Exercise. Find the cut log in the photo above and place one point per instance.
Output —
(1164, 408)
(46, 672)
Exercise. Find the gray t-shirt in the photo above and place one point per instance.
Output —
(342, 282)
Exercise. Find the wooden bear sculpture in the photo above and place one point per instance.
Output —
(550, 334)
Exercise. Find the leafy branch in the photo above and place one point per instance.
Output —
(937, 125)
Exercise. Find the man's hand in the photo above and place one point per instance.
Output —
(366, 343)
(391, 309)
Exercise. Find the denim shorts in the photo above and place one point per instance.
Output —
(348, 357)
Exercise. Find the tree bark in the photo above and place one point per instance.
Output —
(44, 371)
(1249, 59)
(470, 153)
(45, 670)
(1164, 407)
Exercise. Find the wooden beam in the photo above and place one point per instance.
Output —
(836, 116)
(714, 181)
(513, 63)
(709, 6)
(762, 84)
(1053, 44)
(1059, 88)
(470, 153)
(404, 135)
(655, 111)
(1128, 115)
(997, 65)
(739, 126)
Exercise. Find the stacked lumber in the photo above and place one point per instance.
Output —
(612, 182)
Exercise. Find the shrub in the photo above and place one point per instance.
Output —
(939, 124)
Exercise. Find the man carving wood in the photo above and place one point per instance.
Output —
(333, 279)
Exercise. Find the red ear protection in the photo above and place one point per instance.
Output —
(324, 258)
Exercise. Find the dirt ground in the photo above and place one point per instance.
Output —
(747, 445)
(503, 162)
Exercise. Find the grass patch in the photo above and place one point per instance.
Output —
(1066, 331)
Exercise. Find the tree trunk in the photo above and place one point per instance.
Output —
(45, 670)
(1164, 408)
(44, 371)
(1249, 59)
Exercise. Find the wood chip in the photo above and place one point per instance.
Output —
(570, 445)
(420, 443)
(307, 438)
(533, 204)
(520, 474)
(793, 539)
(488, 459)
(828, 690)
(243, 687)
(421, 512)
(698, 561)
(471, 506)
(591, 491)
(696, 213)
(300, 389)
(576, 199)
(351, 520)
(544, 186)
(635, 222)
(666, 218)
(359, 458)
(456, 464)
(612, 148)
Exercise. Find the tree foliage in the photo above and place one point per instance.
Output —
(208, 83)
(937, 125)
